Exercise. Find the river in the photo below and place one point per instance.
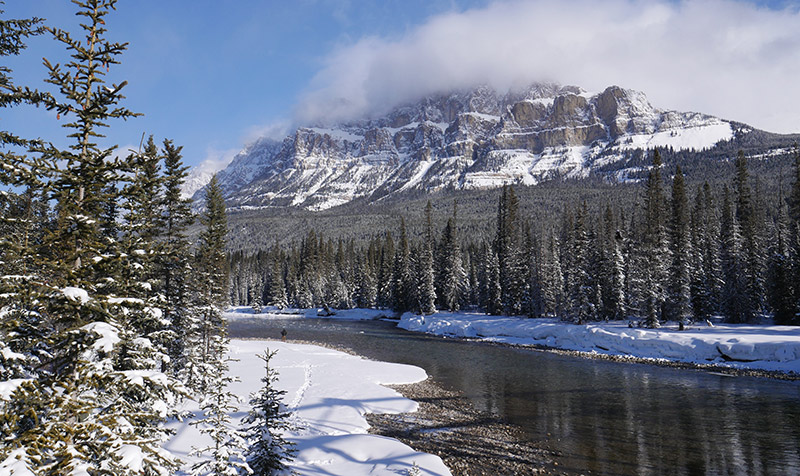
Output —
(602, 417)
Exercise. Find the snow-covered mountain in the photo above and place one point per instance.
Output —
(463, 140)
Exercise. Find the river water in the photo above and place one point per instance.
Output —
(602, 417)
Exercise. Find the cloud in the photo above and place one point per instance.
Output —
(276, 130)
(215, 160)
(729, 58)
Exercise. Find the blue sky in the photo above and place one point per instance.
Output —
(213, 75)
(209, 73)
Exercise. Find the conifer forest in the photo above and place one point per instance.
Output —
(675, 255)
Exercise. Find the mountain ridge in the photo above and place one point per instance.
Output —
(470, 139)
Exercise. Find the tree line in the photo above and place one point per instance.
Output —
(109, 316)
(678, 255)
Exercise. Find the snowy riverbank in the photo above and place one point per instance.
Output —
(763, 347)
(329, 393)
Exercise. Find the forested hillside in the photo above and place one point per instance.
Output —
(259, 229)
(661, 250)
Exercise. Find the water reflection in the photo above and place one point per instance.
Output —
(604, 417)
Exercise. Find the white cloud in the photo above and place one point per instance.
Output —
(201, 174)
(216, 160)
(276, 130)
(729, 58)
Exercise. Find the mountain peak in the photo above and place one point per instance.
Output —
(463, 139)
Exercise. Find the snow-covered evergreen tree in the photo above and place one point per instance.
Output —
(425, 291)
(267, 450)
(654, 247)
(679, 306)
(277, 287)
(781, 292)
(224, 456)
(612, 269)
(735, 300)
(402, 280)
(87, 407)
(511, 256)
(385, 273)
(174, 262)
(752, 260)
(493, 291)
(452, 276)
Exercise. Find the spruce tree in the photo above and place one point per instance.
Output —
(679, 307)
(751, 254)
(654, 245)
(267, 450)
(277, 287)
(385, 272)
(224, 456)
(452, 275)
(88, 402)
(708, 280)
(581, 291)
(493, 291)
(210, 256)
(780, 291)
(402, 282)
(508, 245)
(426, 292)
(734, 298)
(612, 269)
(174, 262)
(552, 278)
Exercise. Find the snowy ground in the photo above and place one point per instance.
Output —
(765, 347)
(328, 392)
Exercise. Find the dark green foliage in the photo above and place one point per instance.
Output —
(402, 279)
(267, 451)
(735, 304)
(679, 306)
(451, 282)
(509, 246)
(654, 245)
(174, 261)
(81, 316)
(425, 290)
(210, 255)
(706, 275)
(611, 269)
(751, 256)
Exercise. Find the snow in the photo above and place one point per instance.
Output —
(131, 457)
(329, 392)
(108, 336)
(76, 294)
(485, 117)
(16, 463)
(337, 134)
(422, 169)
(9, 354)
(137, 377)
(8, 387)
(697, 138)
(765, 347)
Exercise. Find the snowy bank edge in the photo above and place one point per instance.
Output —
(761, 348)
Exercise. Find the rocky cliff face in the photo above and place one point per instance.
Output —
(468, 139)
